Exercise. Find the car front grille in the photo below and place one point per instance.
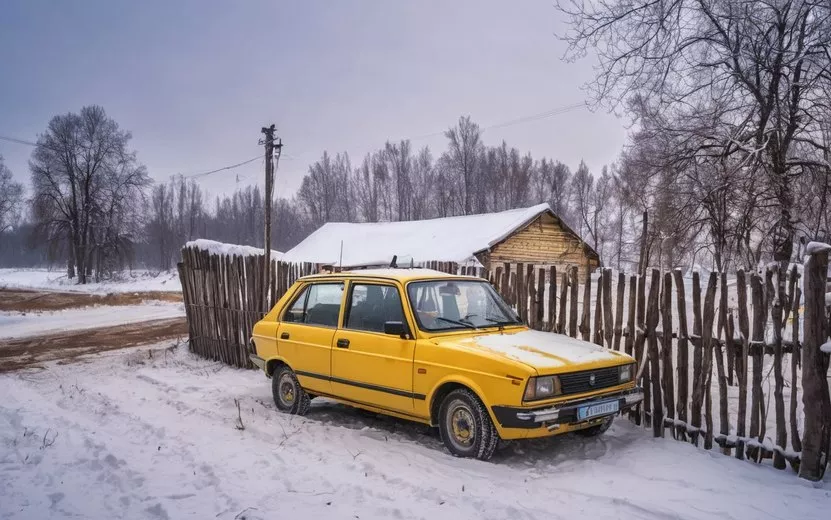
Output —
(581, 382)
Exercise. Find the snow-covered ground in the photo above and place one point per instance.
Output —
(124, 435)
(140, 280)
(22, 324)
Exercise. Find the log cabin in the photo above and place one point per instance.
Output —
(533, 235)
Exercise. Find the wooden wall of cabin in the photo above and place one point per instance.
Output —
(545, 241)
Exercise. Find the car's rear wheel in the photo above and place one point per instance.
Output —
(598, 429)
(289, 396)
(466, 427)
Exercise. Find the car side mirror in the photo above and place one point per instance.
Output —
(395, 328)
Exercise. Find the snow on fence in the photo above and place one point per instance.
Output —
(738, 338)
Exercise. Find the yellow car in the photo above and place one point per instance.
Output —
(439, 349)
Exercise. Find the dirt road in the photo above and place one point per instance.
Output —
(25, 300)
(34, 351)
(67, 346)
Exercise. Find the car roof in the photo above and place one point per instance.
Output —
(398, 274)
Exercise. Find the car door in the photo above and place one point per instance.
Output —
(369, 366)
(307, 327)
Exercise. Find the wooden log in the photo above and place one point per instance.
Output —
(597, 335)
(756, 382)
(741, 361)
(608, 318)
(654, 410)
(618, 326)
(719, 352)
(683, 354)
(709, 318)
(561, 318)
(552, 298)
(521, 300)
(698, 356)
(540, 319)
(497, 281)
(532, 300)
(641, 415)
(529, 281)
(512, 287)
(572, 318)
(778, 377)
(702, 375)
(815, 396)
(796, 440)
(506, 283)
(667, 373)
(629, 344)
(585, 320)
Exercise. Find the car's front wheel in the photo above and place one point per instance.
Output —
(466, 427)
(289, 396)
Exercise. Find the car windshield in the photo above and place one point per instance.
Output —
(458, 304)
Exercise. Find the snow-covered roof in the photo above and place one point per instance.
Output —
(220, 248)
(450, 239)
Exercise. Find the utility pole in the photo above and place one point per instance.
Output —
(270, 147)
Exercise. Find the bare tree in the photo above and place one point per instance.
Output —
(83, 174)
(759, 64)
(462, 158)
(11, 194)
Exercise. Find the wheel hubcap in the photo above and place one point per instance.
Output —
(286, 389)
(461, 426)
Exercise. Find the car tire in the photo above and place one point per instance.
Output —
(289, 396)
(466, 427)
(598, 429)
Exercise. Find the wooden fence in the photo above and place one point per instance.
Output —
(740, 333)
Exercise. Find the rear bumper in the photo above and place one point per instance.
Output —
(565, 413)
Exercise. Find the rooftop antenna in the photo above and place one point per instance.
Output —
(393, 263)
(340, 258)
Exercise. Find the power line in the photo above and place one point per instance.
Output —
(230, 167)
(18, 141)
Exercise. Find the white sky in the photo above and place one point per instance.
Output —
(195, 81)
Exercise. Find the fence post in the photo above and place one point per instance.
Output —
(652, 315)
(667, 374)
(815, 399)
(683, 355)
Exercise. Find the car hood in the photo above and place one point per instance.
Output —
(544, 351)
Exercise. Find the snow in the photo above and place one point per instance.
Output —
(451, 239)
(543, 350)
(220, 248)
(826, 347)
(128, 436)
(139, 280)
(20, 324)
(816, 247)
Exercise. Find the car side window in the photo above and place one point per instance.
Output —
(371, 306)
(323, 304)
(296, 313)
(317, 304)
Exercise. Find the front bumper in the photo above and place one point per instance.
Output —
(563, 413)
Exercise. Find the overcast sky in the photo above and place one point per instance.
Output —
(194, 81)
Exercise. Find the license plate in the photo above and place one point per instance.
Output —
(596, 410)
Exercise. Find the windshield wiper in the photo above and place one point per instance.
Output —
(457, 322)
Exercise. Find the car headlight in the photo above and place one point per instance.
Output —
(542, 388)
(625, 373)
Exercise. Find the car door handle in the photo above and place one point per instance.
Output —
(284, 335)
(343, 343)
